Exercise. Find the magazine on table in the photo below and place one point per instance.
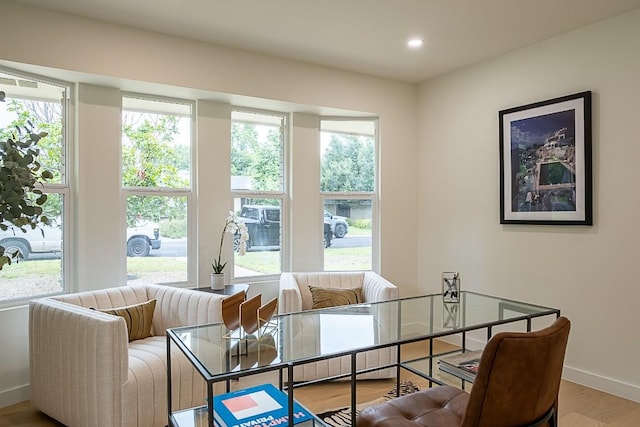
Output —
(463, 365)
(263, 405)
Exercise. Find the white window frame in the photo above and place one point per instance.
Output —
(281, 195)
(361, 195)
(62, 188)
(187, 192)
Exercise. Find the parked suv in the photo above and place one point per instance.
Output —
(48, 239)
(263, 225)
(339, 225)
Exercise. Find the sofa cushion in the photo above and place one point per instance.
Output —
(334, 279)
(138, 318)
(332, 297)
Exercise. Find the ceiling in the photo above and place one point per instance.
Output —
(365, 36)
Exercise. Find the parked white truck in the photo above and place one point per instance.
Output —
(48, 239)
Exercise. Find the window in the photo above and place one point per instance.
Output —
(44, 103)
(257, 184)
(156, 178)
(348, 187)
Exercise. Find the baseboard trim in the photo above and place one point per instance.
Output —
(598, 382)
(14, 395)
(587, 379)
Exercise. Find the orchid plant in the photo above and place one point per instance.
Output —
(233, 225)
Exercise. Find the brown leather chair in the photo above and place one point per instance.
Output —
(516, 386)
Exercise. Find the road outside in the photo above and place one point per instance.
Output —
(178, 247)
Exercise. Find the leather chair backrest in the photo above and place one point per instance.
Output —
(519, 377)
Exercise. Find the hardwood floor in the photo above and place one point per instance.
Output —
(579, 406)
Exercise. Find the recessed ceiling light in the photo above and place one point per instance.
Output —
(415, 43)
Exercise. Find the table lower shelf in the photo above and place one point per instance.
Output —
(433, 373)
(192, 417)
(197, 417)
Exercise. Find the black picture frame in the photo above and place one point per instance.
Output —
(545, 162)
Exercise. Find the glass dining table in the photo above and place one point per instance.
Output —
(292, 340)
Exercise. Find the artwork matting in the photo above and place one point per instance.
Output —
(545, 162)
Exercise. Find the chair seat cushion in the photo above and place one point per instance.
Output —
(435, 407)
(145, 392)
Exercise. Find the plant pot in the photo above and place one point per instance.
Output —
(217, 281)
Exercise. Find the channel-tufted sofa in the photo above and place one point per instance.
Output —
(295, 296)
(84, 371)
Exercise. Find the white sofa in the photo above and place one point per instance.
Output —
(83, 370)
(294, 296)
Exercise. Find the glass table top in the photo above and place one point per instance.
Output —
(317, 334)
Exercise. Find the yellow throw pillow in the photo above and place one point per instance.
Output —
(332, 297)
(137, 317)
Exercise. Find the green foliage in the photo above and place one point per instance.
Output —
(21, 176)
(255, 158)
(174, 229)
(47, 117)
(244, 138)
(150, 159)
(360, 223)
(348, 164)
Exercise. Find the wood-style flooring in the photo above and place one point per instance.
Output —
(579, 406)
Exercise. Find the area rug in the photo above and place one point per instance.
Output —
(341, 417)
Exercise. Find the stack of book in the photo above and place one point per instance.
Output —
(259, 406)
(463, 365)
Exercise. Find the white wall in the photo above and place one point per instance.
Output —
(588, 272)
(107, 58)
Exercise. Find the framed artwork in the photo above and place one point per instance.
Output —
(545, 162)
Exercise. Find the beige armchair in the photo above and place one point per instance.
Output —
(85, 372)
(295, 295)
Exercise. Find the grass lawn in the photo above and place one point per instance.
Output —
(38, 277)
(49, 267)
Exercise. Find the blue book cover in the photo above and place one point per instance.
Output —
(259, 406)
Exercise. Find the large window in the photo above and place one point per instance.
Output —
(44, 104)
(156, 179)
(257, 184)
(348, 188)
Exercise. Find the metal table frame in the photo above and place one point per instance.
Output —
(529, 312)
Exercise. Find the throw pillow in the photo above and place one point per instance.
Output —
(137, 317)
(332, 297)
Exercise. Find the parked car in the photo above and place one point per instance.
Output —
(142, 238)
(48, 239)
(263, 226)
(339, 225)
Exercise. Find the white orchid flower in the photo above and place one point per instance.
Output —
(233, 225)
